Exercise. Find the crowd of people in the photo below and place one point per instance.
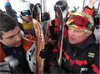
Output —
(18, 39)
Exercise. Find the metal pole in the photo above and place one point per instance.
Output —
(83, 3)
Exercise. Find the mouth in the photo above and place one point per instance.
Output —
(71, 39)
(18, 43)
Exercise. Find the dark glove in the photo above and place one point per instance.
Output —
(44, 53)
(57, 70)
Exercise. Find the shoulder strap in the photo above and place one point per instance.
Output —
(91, 54)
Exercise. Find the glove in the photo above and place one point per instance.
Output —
(44, 53)
(57, 70)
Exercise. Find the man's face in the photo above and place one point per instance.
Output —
(11, 38)
(76, 36)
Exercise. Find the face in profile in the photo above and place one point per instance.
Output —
(12, 38)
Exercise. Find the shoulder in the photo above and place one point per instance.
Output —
(30, 37)
(28, 41)
(27, 38)
(93, 49)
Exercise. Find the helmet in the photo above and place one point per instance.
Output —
(45, 16)
(62, 4)
(25, 6)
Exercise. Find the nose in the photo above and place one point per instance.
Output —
(18, 37)
(70, 33)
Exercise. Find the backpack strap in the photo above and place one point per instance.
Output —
(91, 54)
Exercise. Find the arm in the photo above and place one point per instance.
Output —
(90, 9)
(91, 3)
(9, 8)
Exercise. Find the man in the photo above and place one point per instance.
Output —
(12, 44)
(80, 53)
(9, 9)
(53, 26)
(12, 12)
(53, 29)
(26, 19)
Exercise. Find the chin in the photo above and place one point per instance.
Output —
(18, 45)
(72, 42)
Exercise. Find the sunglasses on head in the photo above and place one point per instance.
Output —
(25, 12)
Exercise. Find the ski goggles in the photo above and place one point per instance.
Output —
(79, 21)
(25, 12)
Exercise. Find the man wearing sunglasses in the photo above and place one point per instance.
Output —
(26, 19)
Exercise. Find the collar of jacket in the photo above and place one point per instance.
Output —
(80, 48)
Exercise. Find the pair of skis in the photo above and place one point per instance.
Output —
(40, 39)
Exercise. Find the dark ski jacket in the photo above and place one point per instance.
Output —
(12, 13)
(9, 9)
(28, 44)
(75, 58)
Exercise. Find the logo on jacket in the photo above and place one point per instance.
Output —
(72, 62)
(83, 70)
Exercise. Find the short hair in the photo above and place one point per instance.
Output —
(7, 23)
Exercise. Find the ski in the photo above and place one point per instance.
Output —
(37, 11)
(40, 40)
(40, 46)
(60, 36)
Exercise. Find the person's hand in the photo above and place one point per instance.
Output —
(56, 70)
(52, 41)
(7, 0)
(91, 3)
(44, 53)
